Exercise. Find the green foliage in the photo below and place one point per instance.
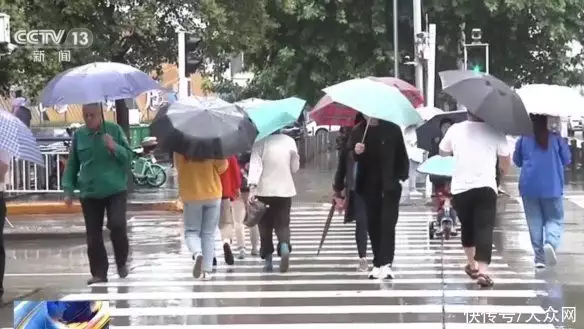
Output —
(141, 33)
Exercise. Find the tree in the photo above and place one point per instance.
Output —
(309, 44)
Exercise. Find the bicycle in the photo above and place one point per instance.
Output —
(146, 171)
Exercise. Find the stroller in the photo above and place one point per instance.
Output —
(446, 223)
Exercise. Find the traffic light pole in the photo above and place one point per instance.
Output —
(419, 68)
(183, 91)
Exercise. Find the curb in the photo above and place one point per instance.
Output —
(53, 208)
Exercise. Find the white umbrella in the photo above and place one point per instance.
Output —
(552, 100)
(207, 101)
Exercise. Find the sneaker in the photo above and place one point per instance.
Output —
(206, 276)
(386, 272)
(255, 252)
(198, 266)
(228, 254)
(363, 266)
(123, 271)
(550, 255)
(96, 279)
(214, 261)
(241, 254)
(374, 274)
(284, 257)
(540, 266)
(268, 265)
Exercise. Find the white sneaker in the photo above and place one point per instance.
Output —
(363, 266)
(374, 274)
(206, 276)
(540, 266)
(386, 272)
(550, 255)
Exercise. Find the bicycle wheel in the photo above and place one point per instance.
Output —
(156, 176)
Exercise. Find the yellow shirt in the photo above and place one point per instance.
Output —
(199, 180)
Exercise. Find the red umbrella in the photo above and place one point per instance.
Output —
(328, 113)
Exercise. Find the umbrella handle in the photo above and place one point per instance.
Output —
(365, 132)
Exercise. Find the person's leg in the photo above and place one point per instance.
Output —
(360, 214)
(535, 223)
(266, 227)
(2, 250)
(238, 208)
(193, 221)
(226, 228)
(389, 216)
(93, 212)
(485, 214)
(211, 213)
(116, 206)
(373, 203)
(553, 214)
(463, 203)
(282, 229)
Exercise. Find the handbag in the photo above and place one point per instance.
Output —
(254, 213)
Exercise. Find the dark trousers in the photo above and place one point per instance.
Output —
(382, 214)
(2, 251)
(477, 210)
(93, 213)
(360, 215)
(276, 219)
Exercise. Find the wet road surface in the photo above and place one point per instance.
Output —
(430, 290)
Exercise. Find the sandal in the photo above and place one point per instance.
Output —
(485, 281)
(472, 273)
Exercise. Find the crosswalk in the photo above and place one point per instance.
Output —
(430, 289)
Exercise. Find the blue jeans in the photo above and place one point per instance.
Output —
(201, 219)
(545, 219)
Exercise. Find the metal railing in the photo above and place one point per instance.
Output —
(26, 177)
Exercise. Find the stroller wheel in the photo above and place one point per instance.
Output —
(447, 231)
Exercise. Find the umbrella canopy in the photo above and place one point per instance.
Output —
(427, 112)
(203, 133)
(552, 100)
(97, 82)
(413, 94)
(271, 116)
(328, 113)
(438, 166)
(375, 100)
(18, 140)
(207, 101)
(489, 99)
(250, 102)
(431, 129)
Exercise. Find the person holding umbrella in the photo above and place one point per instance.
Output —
(98, 165)
(542, 159)
(475, 147)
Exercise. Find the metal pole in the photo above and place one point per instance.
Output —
(182, 61)
(395, 41)
(431, 66)
(417, 31)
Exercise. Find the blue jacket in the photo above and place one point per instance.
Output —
(542, 171)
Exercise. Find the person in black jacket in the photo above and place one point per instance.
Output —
(382, 162)
(345, 196)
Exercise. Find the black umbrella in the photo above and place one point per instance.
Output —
(489, 99)
(327, 226)
(430, 130)
(212, 131)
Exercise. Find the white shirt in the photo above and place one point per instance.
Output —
(5, 158)
(415, 153)
(475, 147)
(273, 161)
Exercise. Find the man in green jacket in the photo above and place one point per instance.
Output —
(98, 166)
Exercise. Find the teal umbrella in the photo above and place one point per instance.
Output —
(438, 166)
(376, 100)
(271, 116)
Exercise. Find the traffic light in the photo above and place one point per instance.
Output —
(193, 53)
(477, 57)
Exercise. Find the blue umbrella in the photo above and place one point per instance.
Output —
(271, 116)
(18, 140)
(97, 82)
(376, 100)
(438, 166)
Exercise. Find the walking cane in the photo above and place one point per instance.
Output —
(9, 223)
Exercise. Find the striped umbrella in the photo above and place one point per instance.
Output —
(18, 140)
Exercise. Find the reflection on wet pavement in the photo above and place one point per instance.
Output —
(430, 290)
